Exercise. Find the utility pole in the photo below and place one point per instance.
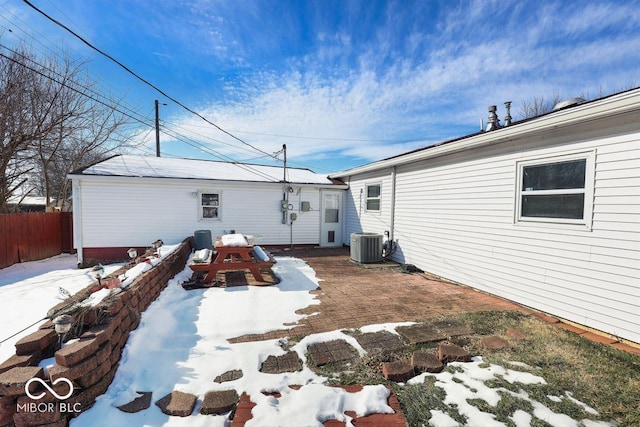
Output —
(157, 130)
(284, 149)
(285, 188)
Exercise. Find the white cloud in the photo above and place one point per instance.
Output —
(411, 86)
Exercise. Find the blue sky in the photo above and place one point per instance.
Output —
(342, 83)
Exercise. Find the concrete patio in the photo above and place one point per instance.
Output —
(353, 295)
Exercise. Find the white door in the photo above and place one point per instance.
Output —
(330, 218)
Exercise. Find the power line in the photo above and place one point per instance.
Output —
(142, 79)
(49, 73)
(130, 112)
(184, 129)
(85, 88)
(220, 156)
(321, 138)
(71, 88)
(189, 131)
(46, 50)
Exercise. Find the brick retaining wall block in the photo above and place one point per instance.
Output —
(92, 361)
(13, 381)
(36, 418)
(74, 353)
(7, 410)
(87, 397)
(15, 361)
(103, 353)
(73, 372)
(36, 342)
(92, 377)
(115, 306)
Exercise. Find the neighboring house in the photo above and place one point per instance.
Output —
(545, 212)
(27, 204)
(131, 201)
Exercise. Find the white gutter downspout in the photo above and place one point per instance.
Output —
(77, 220)
(392, 219)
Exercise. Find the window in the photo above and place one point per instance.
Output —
(209, 205)
(556, 190)
(331, 208)
(373, 197)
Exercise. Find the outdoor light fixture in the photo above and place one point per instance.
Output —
(133, 253)
(62, 325)
(98, 272)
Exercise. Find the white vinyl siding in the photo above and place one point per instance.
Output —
(119, 212)
(357, 217)
(454, 217)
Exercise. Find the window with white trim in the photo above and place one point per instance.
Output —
(373, 197)
(209, 205)
(558, 189)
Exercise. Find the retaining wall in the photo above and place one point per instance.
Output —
(90, 362)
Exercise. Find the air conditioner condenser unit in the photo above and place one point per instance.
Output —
(366, 247)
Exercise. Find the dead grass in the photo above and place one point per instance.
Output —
(600, 376)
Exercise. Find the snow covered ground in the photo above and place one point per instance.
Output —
(468, 382)
(30, 289)
(182, 344)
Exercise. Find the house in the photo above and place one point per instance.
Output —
(544, 212)
(27, 204)
(131, 201)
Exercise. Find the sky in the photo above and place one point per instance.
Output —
(340, 82)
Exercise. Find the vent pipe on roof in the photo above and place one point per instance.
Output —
(493, 123)
(507, 118)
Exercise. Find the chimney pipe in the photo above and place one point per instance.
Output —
(493, 122)
(507, 118)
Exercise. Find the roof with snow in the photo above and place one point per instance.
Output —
(163, 167)
(27, 200)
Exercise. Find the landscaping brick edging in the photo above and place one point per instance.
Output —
(90, 362)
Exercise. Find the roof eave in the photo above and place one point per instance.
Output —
(334, 184)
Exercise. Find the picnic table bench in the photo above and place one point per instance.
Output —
(233, 257)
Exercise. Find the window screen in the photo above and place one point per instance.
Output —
(554, 190)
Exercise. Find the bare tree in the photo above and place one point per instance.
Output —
(89, 134)
(21, 121)
(52, 120)
(537, 106)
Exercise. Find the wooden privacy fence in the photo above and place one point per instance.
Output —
(34, 236)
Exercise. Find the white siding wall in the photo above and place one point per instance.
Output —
(128, 212)
(356, 218)
(455, 217)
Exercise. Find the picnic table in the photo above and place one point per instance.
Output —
(238, 255)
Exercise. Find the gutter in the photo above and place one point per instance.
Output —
(335, 184)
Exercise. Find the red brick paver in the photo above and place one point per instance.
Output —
(352, 296)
